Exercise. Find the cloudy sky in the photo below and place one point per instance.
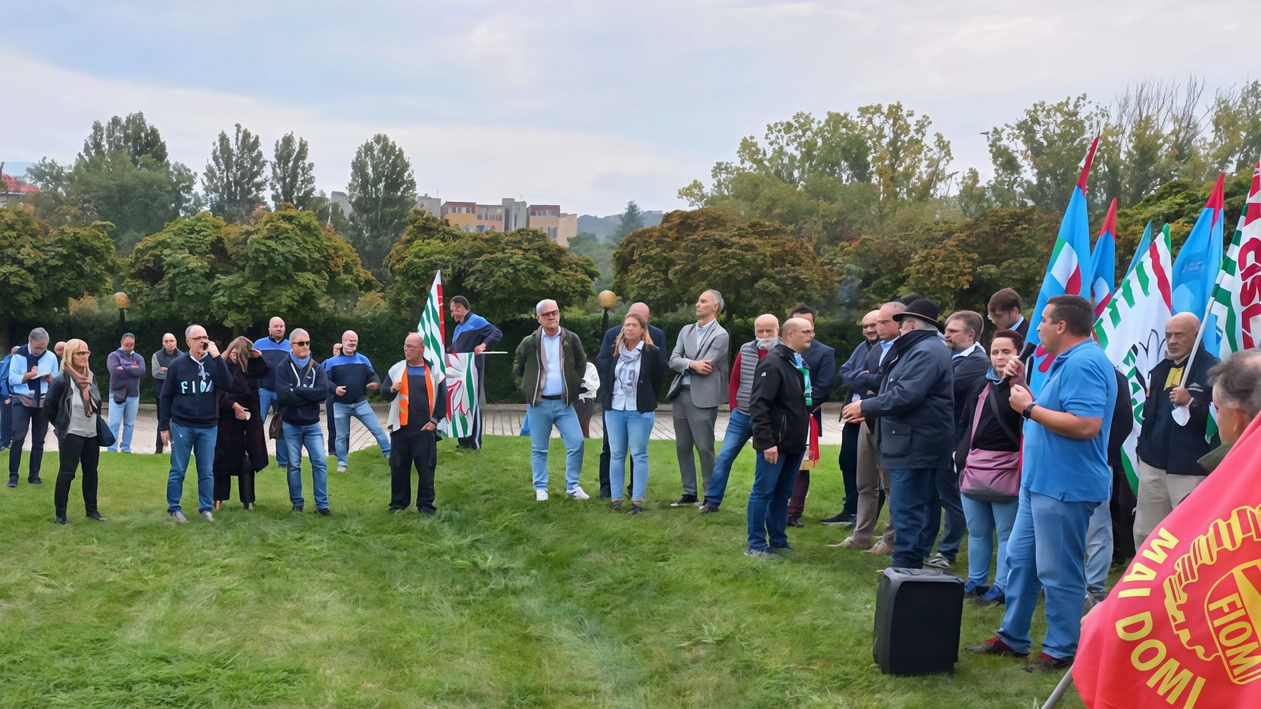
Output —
(580, 102)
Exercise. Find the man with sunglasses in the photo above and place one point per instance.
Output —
(301, 386)
(188, 419)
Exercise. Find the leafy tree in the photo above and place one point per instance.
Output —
(761, 266)
(600, 251)
(132, 136)
(1236, 124)
(503, 274)
(631, 220)
(292, 175)
(174, 274)
(235, 176)
(42, 269)
(382, 191)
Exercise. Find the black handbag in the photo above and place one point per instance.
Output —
(104, 436)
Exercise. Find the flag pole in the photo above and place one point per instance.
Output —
(1182, 414)
(1060, 689)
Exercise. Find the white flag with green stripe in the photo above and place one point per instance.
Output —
(431, 327)
(462, 400)
(1131, 332)
(1233, 322)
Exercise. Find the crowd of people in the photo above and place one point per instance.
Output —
(948, 436)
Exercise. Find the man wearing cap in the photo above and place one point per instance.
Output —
(915, 426)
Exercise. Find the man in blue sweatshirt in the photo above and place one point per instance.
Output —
(188, 417)
(275, 349)
(30, 372)
(473, 334)
(301, 386)
(350, 378)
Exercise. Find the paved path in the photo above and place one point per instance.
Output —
(501, 420)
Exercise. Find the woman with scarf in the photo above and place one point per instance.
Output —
(636, 373)
(241, 446)
(988, 457)
(73, 405)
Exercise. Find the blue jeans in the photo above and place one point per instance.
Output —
(266, 400)
(739, 431)
(628, 429)
(768, 500)
(1099, 548)
(910, 492)
(200, 443)
(1047, 551)
(312, 437)
(123, 414)
(984, 518)
(362, 411)
(540, 419)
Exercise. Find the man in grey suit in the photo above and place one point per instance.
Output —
(700, 385)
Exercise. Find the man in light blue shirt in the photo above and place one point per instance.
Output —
(31, 370)
(1064, 477)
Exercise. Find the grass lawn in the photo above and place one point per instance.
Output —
(498, 601)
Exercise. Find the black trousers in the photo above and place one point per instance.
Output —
(1122, 510)
(157, 386)
(473, 441)
(849, 466)
(36, 420)
(420, 451)
(332, 423)
(77, 451)
(223, 487)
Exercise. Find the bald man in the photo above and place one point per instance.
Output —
(1167, 451)
(276, 350)
(780, 406)
(603, 359)
(158, 364)
(854, 366)
(740, 424)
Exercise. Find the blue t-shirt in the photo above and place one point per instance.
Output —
(1080, 382)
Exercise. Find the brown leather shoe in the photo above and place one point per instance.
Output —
(851, 543)
(881, 548)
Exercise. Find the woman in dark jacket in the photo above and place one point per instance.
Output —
(989, 453)
(633, 375)
(241, 446)
(73, 405)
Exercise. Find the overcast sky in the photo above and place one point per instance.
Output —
(582, 103)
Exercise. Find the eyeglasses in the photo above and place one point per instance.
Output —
(304, 343)
(82, 352)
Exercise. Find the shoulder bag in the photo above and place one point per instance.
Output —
(991, 476)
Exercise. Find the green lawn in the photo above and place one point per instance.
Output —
(496, 601)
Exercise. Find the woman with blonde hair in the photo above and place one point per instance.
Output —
(634, 375)
(73, 405)
(241, 446)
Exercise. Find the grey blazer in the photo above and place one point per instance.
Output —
(710, 389)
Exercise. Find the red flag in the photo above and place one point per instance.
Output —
(1182, 628)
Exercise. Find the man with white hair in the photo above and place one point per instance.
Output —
(699, 387)
(301, 386)
(549, 366)
(31, 370)
(188, 418)
(1236, 384)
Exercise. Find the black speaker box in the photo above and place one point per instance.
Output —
(918, 614)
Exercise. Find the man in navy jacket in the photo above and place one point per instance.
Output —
(821, 361)
(602, 361)
(188, 417)
(473, 334)
(848, 459)
(350, 378)
(301, 386)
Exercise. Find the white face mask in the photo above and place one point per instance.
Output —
(765, 343)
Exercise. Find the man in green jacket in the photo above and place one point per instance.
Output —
(549, 366)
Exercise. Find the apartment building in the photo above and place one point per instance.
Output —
(509, 215)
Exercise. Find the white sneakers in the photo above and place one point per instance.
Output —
(207, 516)
(341, 467)
(575, 494)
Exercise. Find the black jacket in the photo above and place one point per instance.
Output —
(967, 370)
(778, 404)
(1122, 424)
(190, 394)
(57, 402)
(1163, 443)
(652, 372)
(915, 406)
(300, 391)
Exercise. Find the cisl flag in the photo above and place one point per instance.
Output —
(1182, 628)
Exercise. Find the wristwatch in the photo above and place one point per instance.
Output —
(1028, 412)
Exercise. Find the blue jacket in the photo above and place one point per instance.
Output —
(866, 382)
(915, 406)
(474, 331)
(967, 371)
(4, 376)
(275, 353)
(354, 372)
(21, 363)
(300, 391)
(821, 361)
(190, 394)
(855, 365)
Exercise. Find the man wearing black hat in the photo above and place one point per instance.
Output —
(915, 426)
